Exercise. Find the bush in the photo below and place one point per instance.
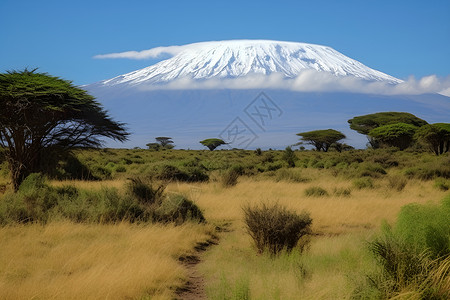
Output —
(290, 175)
(289, 157)
(413, 255)
(178, 209)
(441, 184)
(342, 192)
(315, 191)
(363, 183)
(229, 178)
(145, 192)
(273, 228)
(38, 202)
(397, 182)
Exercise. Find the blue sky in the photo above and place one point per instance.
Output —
(400, 38)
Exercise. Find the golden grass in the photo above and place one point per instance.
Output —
(74, 261)
(235, 269)
(363, 209)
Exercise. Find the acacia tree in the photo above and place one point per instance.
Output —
(435, 136)
(364, 124)
(166, 142)
(321, 139)
(396, 135)
(212, 143)
(40, 113)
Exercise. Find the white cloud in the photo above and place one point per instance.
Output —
(313, 81)
(145, 54)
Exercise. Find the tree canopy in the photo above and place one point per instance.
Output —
(212, 143)
(435, 137)
(321, 139)
(165, 141)
(395, 135)
(40, 112)
(364, 124)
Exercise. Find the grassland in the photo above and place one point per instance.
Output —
(119, 260)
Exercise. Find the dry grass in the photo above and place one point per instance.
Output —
(74, 261)
(332, 214)
(234, 270)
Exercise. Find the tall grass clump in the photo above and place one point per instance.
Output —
(363, 183)
(315, 191)
(397, 182)
(37, 202)
(229, 177)
(274, 228)
(413, 256)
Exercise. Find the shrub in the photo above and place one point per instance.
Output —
(342, 192)
(229, 178)
(290, 175)
(397, 182)
(413, 255)
(289, 157)
(178, 209)
(145, 192)
(441, 184)
(363, 183)
(274, 228)
(315, 191)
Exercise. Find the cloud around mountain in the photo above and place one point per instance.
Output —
(311, 81)
(304, 80)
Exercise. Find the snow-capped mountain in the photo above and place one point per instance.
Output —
(238, 58)
(267, 90)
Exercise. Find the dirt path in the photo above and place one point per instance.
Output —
(195, 285)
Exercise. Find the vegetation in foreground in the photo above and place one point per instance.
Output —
(358, 185)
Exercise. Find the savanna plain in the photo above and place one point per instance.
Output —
(121, 224)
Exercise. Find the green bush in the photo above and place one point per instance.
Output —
(273, 228)
(442, 184)
(413, 255)
(178, 209)
(363, 183)
(290, 175)
(145, 192)
(38, 202)
(315, 191)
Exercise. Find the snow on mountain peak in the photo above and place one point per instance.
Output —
(238, 58)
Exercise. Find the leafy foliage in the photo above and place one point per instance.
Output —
(321, 139)
(395, 135)
(413, 255)
(364, 124)
(273, 228)
(42, 113)
(212, 143)
(435, 137)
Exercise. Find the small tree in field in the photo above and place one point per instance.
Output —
(40, 113)
(435, 137)
(395, 135)
(321, 139)
(166, 142)
(289, 157)
(212, 143)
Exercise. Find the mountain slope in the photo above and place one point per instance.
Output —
(238, 58)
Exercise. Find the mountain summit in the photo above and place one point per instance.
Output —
(238, 58)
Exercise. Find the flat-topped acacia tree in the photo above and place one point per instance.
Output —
(321, 139)
(364, 124)
(212, 143)
(41, 113)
